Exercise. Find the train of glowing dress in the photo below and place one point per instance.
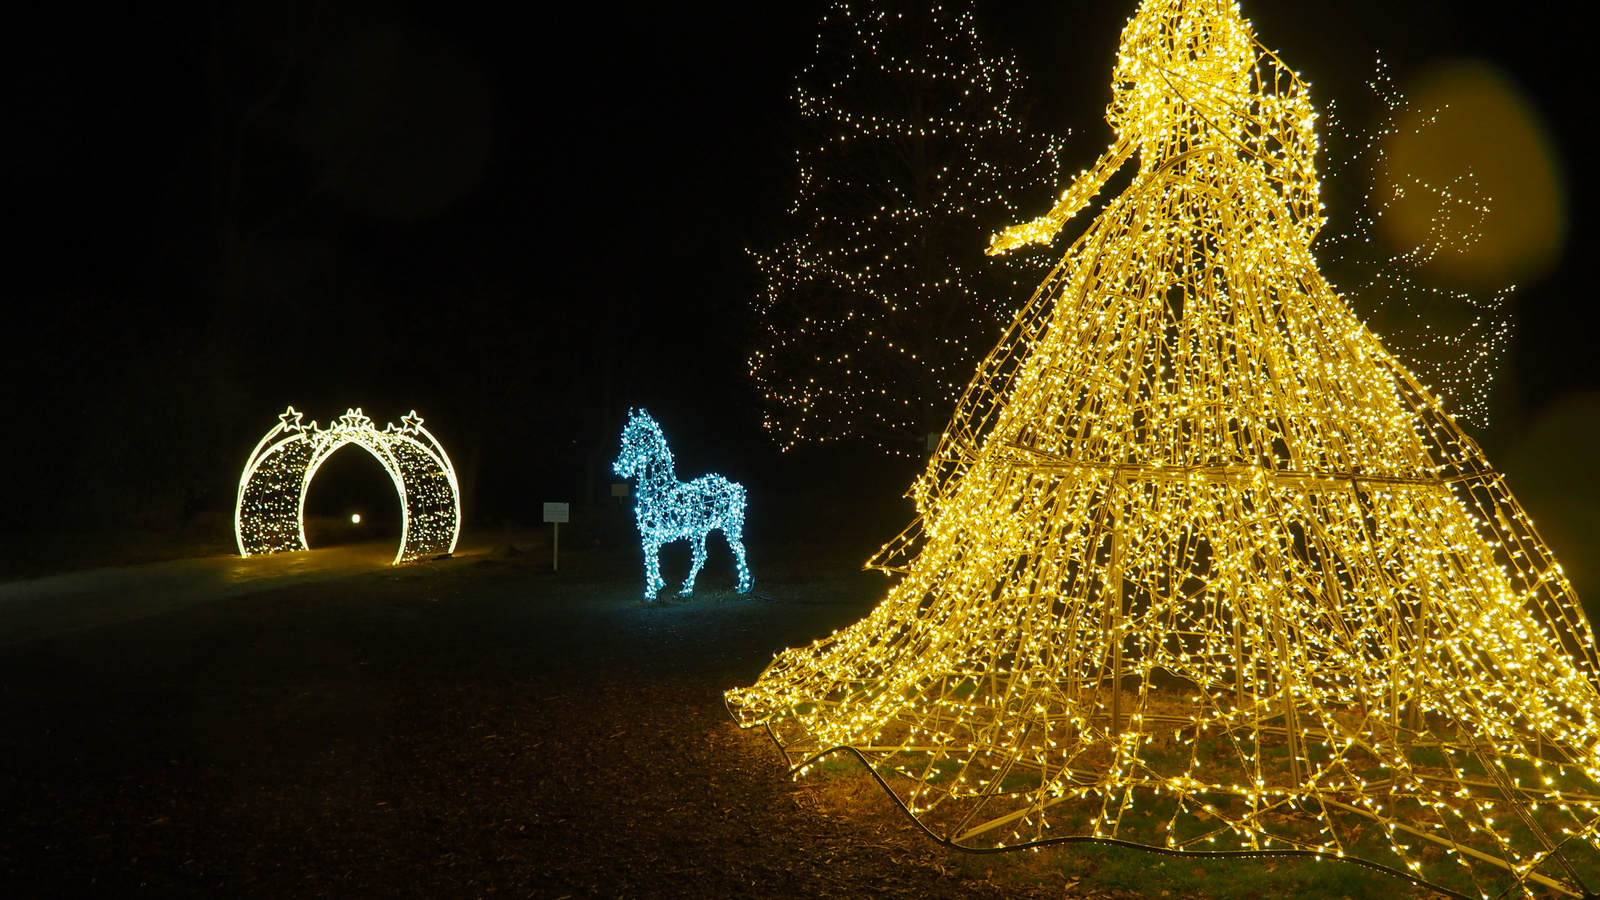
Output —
(669, 510)
(269, 516)
(1198, 564)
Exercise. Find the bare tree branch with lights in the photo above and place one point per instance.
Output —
(880, 303)
(1199, 565)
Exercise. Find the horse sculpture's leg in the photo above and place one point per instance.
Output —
(694, 569)
(652, 570)
(736, 544)
(733, 531)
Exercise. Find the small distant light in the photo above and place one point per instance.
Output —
(355, 518)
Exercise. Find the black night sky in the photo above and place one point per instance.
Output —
(518, 219)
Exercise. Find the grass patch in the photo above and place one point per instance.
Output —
(842, 790)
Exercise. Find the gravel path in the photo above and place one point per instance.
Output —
(467, 728)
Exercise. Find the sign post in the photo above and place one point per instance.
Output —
(555, 514)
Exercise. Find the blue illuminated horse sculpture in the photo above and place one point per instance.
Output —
(669, 510)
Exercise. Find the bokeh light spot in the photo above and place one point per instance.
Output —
(1472, 171)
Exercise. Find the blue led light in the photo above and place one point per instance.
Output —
(669, 510)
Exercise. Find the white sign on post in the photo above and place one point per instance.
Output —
(555, 514)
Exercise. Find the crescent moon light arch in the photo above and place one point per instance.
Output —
(269, 516)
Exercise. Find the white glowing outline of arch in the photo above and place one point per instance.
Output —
(351, 428)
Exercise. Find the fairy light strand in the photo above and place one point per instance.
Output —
(269, 515)
(1199, 565)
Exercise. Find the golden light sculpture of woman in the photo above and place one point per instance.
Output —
(1199, 565)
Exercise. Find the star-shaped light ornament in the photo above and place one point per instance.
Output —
(291, 419)
(354, 420)
(411, 423)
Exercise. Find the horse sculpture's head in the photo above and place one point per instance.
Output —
(643, 445)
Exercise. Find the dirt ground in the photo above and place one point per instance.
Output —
(464, 728)
(473, 727)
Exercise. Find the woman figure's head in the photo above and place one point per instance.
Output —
(1185, 71)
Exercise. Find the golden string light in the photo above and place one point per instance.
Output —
(1199, 565)
(269, 516)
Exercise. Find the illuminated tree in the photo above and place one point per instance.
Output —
(881, 302)
(1453, 338)
(1199, 565)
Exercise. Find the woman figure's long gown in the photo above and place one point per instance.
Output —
(1199, 565)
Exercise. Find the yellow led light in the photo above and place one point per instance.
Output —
(269, 515)
(1198, 558)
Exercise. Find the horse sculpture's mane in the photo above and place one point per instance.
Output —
(662, 456)
(644, 449)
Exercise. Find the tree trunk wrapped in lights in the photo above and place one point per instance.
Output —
(1199, 565)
